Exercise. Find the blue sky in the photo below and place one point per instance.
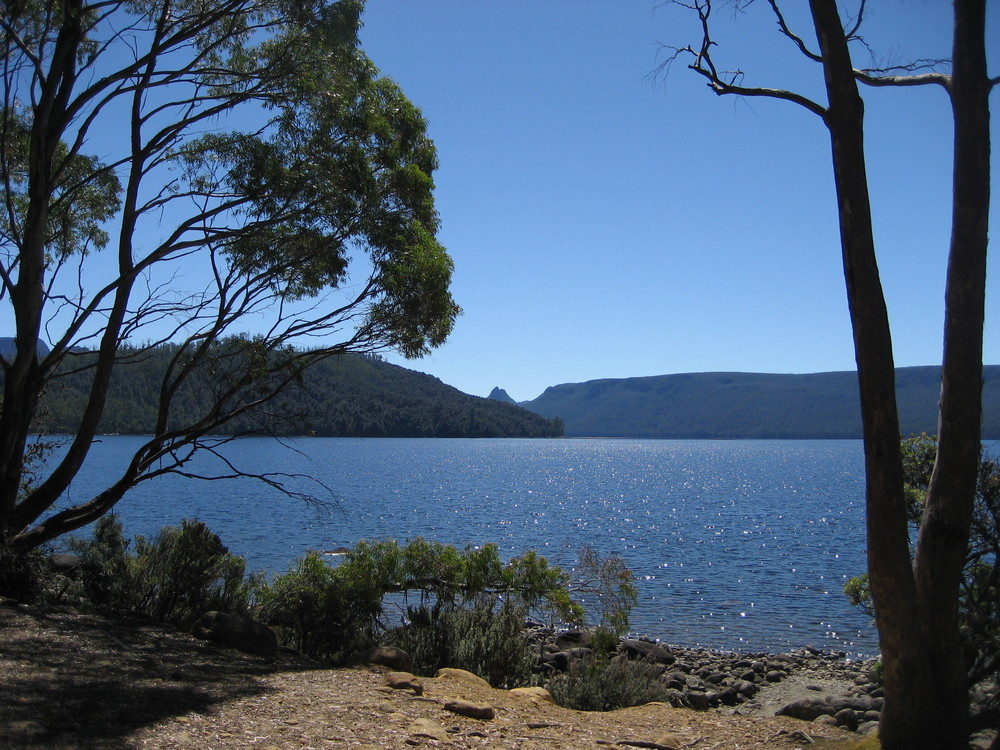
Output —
(606, 222)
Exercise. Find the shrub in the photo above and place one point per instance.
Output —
(608, 589)
(491, 642)
(313, 609)
(176, 577)
(22, 576)
(606, 684)
(329, 612)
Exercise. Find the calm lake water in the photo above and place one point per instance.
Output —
(739, 545)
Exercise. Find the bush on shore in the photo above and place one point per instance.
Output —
(605, 684)
(445, 606)
(175, 577)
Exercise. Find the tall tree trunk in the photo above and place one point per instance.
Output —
(944, 530)
(23, 379)
(910, 718)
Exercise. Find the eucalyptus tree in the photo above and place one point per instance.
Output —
(915, 599)
(232, 177)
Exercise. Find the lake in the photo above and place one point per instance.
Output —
(735, 545)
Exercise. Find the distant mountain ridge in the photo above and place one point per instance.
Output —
(747, 405)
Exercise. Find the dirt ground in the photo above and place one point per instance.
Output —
(70, 680)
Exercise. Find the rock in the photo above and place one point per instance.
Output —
(462, 675)
(470, 709)
(869, 727)
(537, 694)
(429, 728)
(698, 700)
(774, 675)
(746, 688)
(571, 638)
(558, 661)
(677, 699)
(387, 656)
(404, 681)
(846, 717)
(67, 564)
(233, 631)
(636, 649)
(729, 696)
(806, 709)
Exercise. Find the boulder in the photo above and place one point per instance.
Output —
(869, 727)
(66, 563)
(462, 675)
(537, 694)
(429, 728)
(807, 709)
(387, 656)
(232, 631)
(558, 661)
(636, 649)
(470, 709)
(404, 681)
(846, 717)
(572, 638)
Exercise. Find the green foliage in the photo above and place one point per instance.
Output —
(608, 582)
(979, 602)
(280, 165)
(468, 602)
(175, 577)
(84, 195)
(22, 576)
(488, 641)
(859, 594)
(878, 672)
(314, 609)
(608, 684)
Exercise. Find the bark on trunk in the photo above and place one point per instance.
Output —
(944, 531)
(910, 718)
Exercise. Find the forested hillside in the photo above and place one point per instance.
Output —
(747, 405)
(346, 396)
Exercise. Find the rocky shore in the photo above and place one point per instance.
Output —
(826, 689)
(83, 681)
(807, 683)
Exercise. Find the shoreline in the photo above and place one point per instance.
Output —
(87, 681)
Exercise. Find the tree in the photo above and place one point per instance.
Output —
(979, 600)
(232, 177)
(916, 602)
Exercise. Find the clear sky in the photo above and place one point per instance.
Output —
(606, 222)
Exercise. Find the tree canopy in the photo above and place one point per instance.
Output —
(234, 178)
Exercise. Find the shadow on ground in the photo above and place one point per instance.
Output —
(84, 681)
